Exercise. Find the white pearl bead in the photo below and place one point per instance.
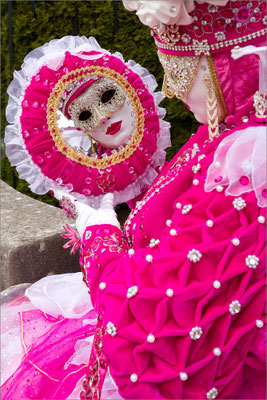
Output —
(178, 205)
(217, 284)
(195, 182)
(169, 292)
(149, 258)
(183, 376)
(219, 188)
(217, 164)
(236, 242)
(209, 223)
(134, 378)
(102, 286)
(217, 351)
(259, 323)
(261, 219)
(131, 252)
(168, 222)
(173, 232)
(150, 338)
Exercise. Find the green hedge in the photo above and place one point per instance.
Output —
(35, 23)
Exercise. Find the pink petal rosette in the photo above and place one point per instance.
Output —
(240, 164)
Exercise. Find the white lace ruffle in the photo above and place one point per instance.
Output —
(52, 54)
(240, 164)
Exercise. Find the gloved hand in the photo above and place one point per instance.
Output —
(87, 215)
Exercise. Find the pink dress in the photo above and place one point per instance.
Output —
(182, 290)
(180, 298)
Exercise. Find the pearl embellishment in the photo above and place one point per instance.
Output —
(133, 378)
(131, 252)
(195, 333)
(132, 291)
(261, 219)
(217, 284)
(111, 329)
(195, 182)
(102, 286)
(234, 307)
(236, 242)
(212, 394)
(209, 223)
(168, 222)
(239, 203)
(219, 188)
(173, 232)
(194, 255)
(259, 323)
(183, 376)
(252, 261)
(150, 338)
(169, 292)
(149, 258)
(217, 351)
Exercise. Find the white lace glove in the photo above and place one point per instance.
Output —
(87, 215)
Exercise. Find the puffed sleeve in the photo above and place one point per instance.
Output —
(184, 317)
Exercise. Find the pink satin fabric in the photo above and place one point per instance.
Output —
(239, 372)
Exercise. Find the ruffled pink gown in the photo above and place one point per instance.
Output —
(180, 294)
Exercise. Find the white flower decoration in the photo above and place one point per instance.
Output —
(166, 12)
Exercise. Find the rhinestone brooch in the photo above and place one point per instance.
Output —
(239, 203)
(195, 333)
(194, 255)
(132, 291)
(111, 329)
(234, 307)
(212, 394)
(252, 261)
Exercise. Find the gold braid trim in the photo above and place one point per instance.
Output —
(62, 145)
(212, 111)
(217, 88)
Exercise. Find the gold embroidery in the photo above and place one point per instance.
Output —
(217, 88)
(260, 104)
(179, 75)
(212, 109)
(54, 130)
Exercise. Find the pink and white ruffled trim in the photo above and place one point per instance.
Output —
(240, 164)
(53, 55)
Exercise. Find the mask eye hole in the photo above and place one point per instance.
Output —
(85, 115)
(108, 95)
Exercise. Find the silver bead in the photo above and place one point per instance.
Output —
(195, 333)
(252, 261)
(194, 255)
(234, 307)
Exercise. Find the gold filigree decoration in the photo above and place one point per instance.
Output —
(179, 75)
(170, 34)
(64, 147)
(260, 104)
(217, 88)
(212, 111)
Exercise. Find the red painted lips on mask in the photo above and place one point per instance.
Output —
(114, 128)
